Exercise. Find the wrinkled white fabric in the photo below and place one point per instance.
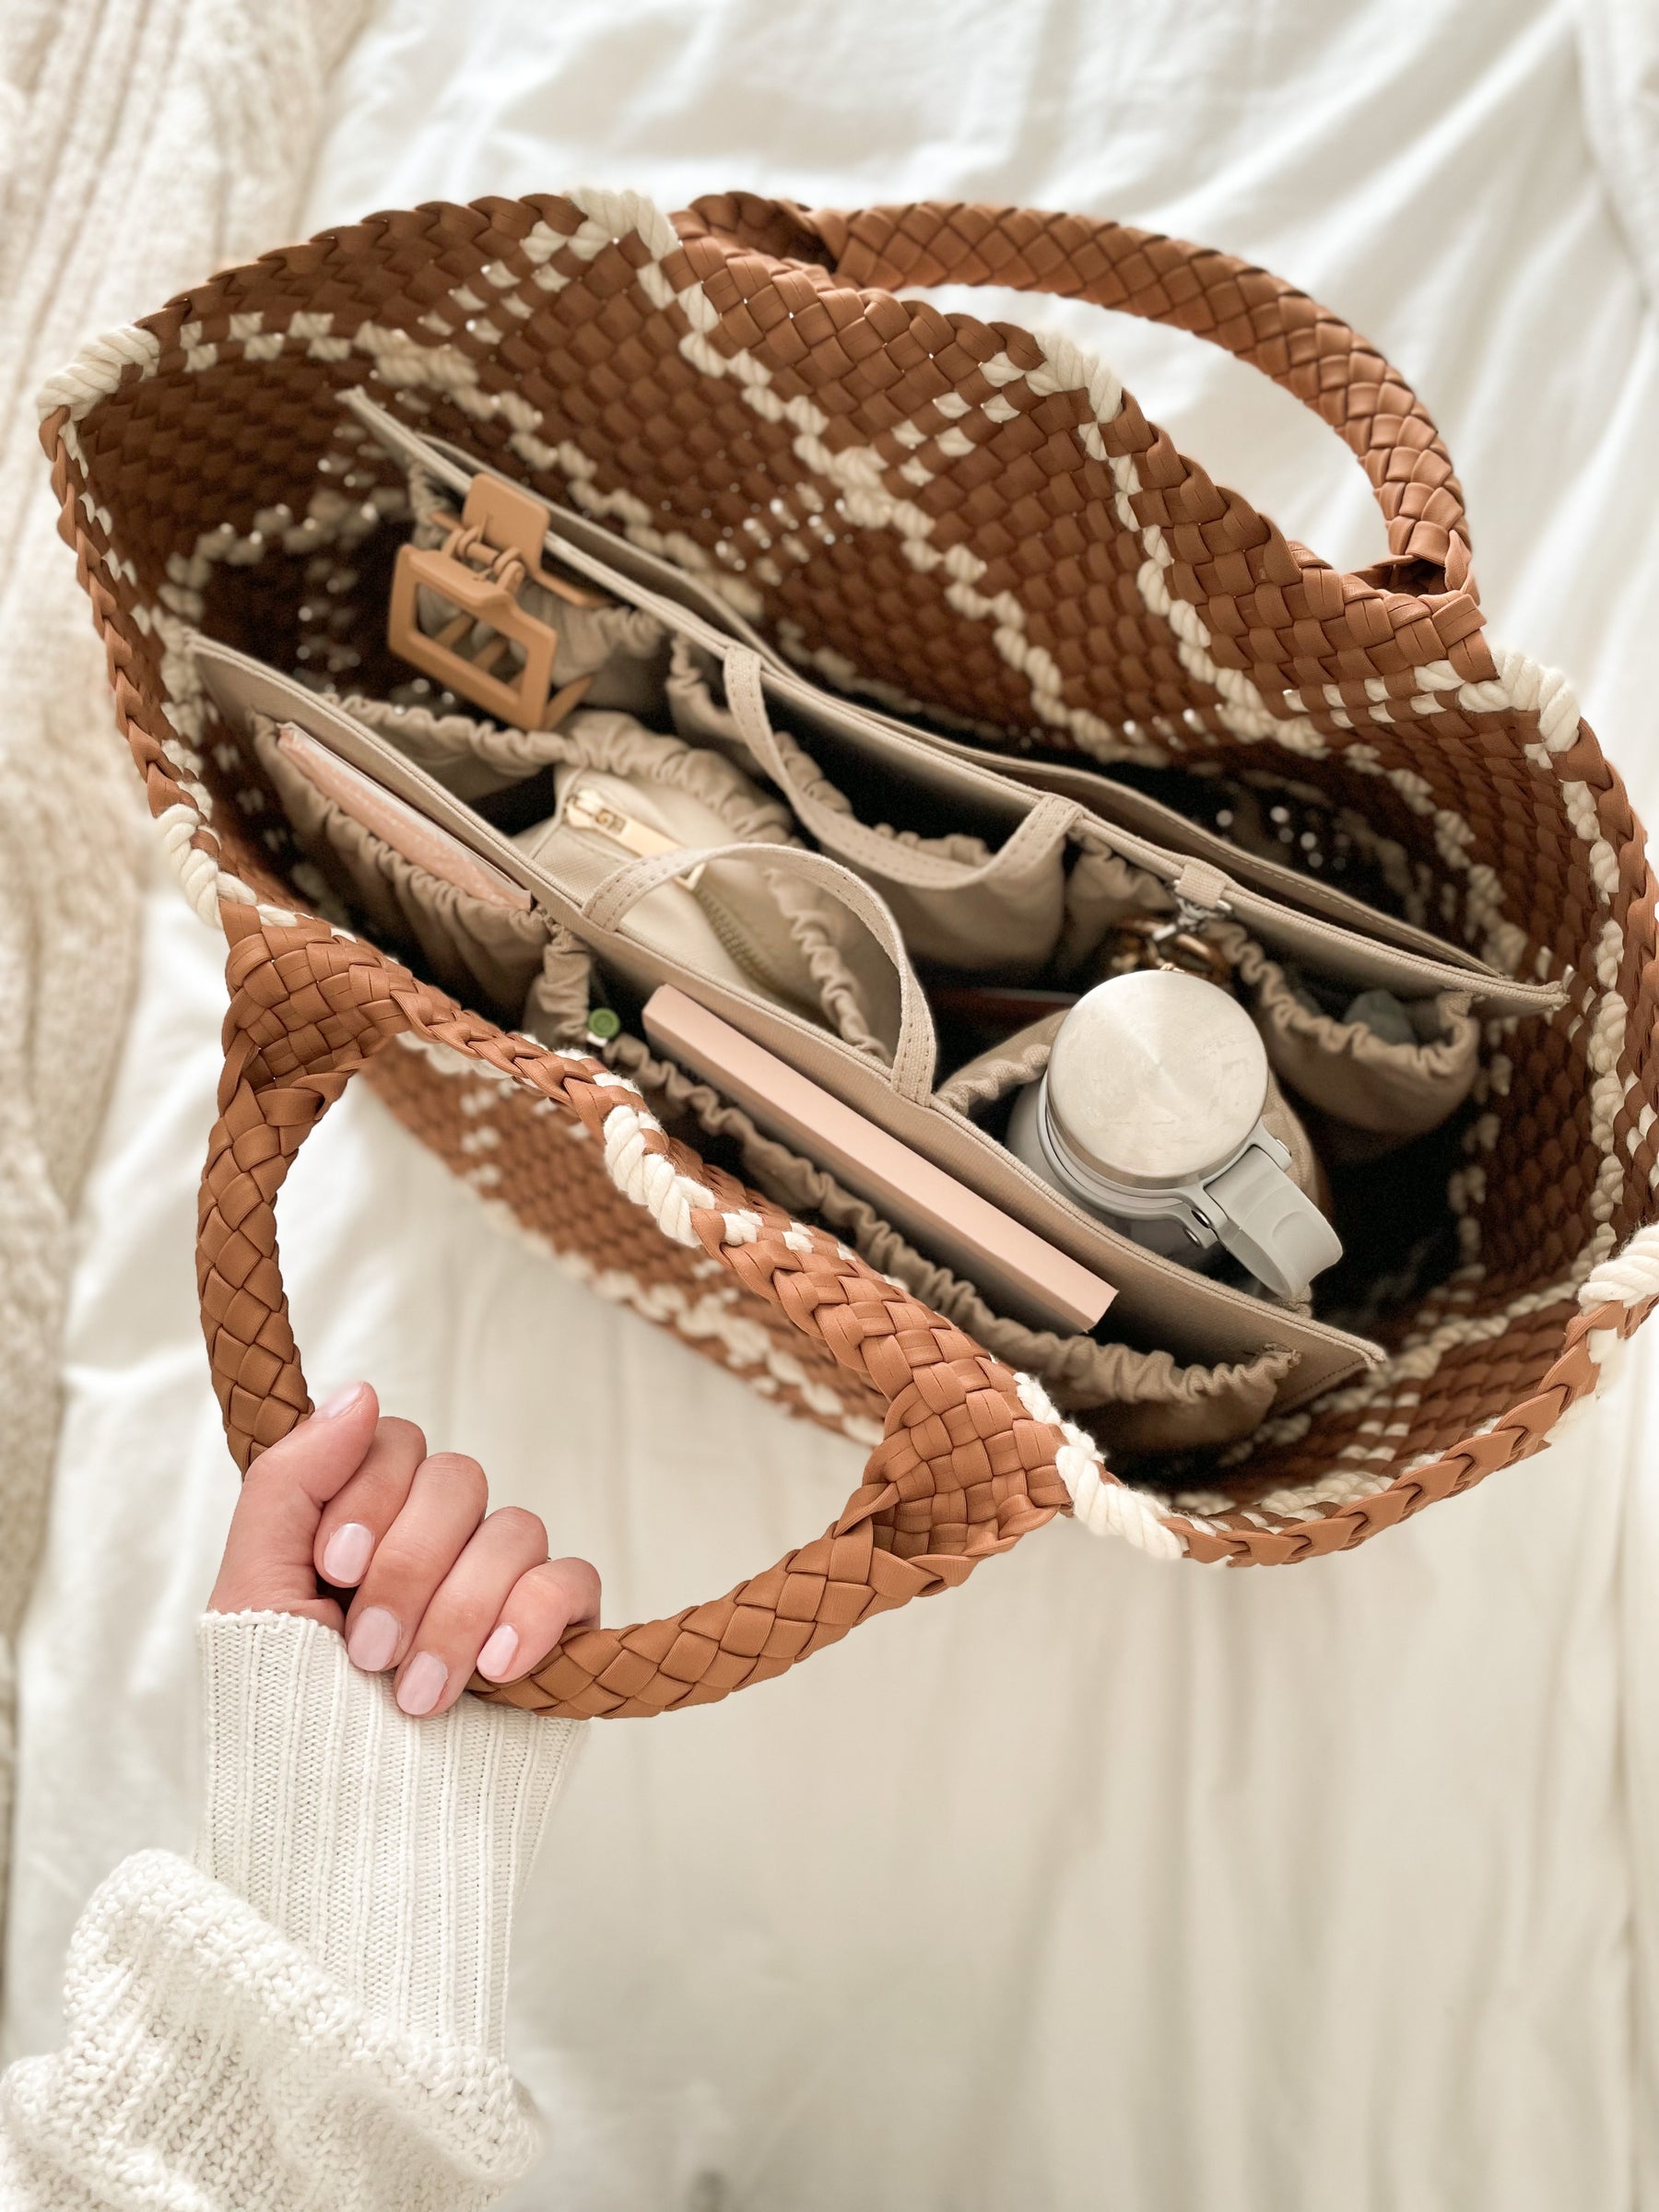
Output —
(1100, 1881)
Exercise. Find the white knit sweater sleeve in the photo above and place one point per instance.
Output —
(312, 2014)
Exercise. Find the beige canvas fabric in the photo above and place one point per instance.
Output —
(468, 756)
(1199, 1318)
(1102, 889)
(560, 998)
(1003, 1067)
(1389, 1092)
(470, 944)
(961, 901)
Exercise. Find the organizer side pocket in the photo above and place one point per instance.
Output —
(473, 947)
(1391, 1090)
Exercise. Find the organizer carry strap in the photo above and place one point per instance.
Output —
(916, 1052)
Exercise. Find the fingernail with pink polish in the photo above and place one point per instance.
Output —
(497, 1657)
(342, 1401)
(422, 1684)
(373, 1644)
(346, 1555)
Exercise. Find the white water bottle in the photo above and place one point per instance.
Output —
(1150, 1117)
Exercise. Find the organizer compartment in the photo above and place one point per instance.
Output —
(620, 652)
(1386, 1090)
(983, 1087)
(468, 755)
(960, 902)
(477, 949)
(1134, 1400)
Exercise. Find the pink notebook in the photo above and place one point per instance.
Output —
(1016, 1271)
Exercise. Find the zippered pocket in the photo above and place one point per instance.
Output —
(1323, 928)
(738, 922)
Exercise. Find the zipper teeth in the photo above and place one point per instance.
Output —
(743, 945)
(589, 812)
(734, 936)
(1343, 940)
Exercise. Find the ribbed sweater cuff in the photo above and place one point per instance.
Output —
(391, 1851)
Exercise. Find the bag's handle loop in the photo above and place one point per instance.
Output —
(1254, 315)
(962, 1472)
(916, 1055)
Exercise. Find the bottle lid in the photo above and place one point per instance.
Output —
(1155, 1079)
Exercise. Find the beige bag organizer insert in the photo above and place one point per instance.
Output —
(1141, 1400)
(1024, 872)
(1196, 1319)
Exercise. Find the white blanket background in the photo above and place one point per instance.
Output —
(1103, 1882)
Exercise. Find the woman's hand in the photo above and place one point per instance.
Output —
(440, 1586)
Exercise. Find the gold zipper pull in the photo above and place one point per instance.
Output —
(586, 810)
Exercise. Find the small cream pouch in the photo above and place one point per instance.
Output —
(1392, 1092)
(630, 795)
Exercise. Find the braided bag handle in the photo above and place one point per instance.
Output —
(1253, 314)
(962, 1472)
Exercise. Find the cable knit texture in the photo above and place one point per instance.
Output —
(311, 2015)
(142, 143)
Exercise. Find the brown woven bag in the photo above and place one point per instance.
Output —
(952, 512)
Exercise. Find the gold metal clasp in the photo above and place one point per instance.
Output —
(1150, 941)
(493, 548)
(585, 808)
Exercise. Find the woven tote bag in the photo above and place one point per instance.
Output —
(940, 512)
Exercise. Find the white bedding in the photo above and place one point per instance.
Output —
(1101, 1882)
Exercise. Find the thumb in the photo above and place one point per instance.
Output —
(267, 1565)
